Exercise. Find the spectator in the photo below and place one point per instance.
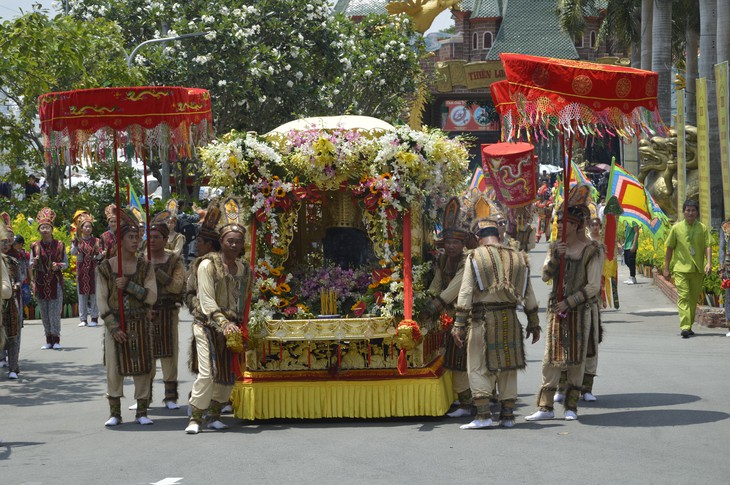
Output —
(31, 186)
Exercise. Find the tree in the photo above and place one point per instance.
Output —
(266, 62)
(40, 54)
(661, 56)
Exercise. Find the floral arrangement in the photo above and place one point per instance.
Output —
(387, 174)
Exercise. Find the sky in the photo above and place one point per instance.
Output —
(11, 8)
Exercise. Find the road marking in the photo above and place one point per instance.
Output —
(168, 481)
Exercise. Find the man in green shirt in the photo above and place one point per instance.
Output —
(689, 243)
(631, 244)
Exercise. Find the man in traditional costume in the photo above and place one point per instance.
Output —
(127, 342)
(496, 279)
(11, 320)
(109, 237)
(444, 290)
(48, 259)
(689, 244)
(544, 208)
(520, 228)
(224, 284)
(170, 275)
(88, 252)
(724, 269)
(175, 241)
(570, 320)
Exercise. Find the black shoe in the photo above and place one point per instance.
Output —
(691, 332)
(685, 334)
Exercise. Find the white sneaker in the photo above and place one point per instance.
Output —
(217, 425)
(559, 397)
(459, 413)
(82, 324)
(193, 428)
(588, 397)
(133, 407)
(727, 334)
(478, 424)
(570, 415)
(3, 363)
(227, 409)
(12, 375)
(144, 420)
(171, 405)
(113, 421)
(91, 324)
(540, 415)
(630, 281)
(47, 346)
(507, 423)
(56, 346)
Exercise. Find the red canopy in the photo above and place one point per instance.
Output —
(506, 107)
(80, 122)
(558, 93)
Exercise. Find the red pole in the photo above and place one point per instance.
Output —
(119, 235)
(567, 169)
(407, 268)
(146, 205)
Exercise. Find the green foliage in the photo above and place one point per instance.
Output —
(40, 54)
(266, 62)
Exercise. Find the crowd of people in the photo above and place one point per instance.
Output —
(481, 279)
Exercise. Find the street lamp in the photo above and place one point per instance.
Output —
(163, 39)
(165, 167)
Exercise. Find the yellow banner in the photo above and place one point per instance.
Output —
(721, 89)
(681, 153)
(703, 152)
(473, 75)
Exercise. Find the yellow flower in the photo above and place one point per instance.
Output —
(323, 146)
(277, 271)
(278, 251)
(386, 280)
(280, 192)
(409, 159)
(284, 288)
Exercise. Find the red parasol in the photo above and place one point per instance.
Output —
(581, 98)
(506, 107)
(91, 123)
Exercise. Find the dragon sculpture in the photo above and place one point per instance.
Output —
(658, 168)
(423, 12)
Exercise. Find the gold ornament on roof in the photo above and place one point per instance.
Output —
(423, 12)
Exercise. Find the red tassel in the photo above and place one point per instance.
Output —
(281, 351)
(339, 356)
(263, 353)
(402, 362)
(368, 354)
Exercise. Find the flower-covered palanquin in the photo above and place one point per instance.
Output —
(341, 213)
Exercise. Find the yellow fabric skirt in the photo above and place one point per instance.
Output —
(355, 394)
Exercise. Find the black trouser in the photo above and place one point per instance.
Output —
(630, 260)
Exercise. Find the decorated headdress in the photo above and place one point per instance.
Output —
(4, 234)
(232, 217)
(82, 216)
(7, 222)
(46, 216)
(486, 213)
(171, 207)
(578, 199)
(128, 220)
(110, 212)
(454, 225)
(159, 223)
(209, 224)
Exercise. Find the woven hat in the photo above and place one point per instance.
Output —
(209, 224)
(454, 223)
(46, 216)
(128, 220)
(159, 223)
(578, 200)
(172, 208)
(485, 213)
(6, 222)
(232, 217)
(110, 212)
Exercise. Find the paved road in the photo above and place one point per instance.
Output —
(661, 417)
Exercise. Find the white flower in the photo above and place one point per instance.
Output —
(210, 35)
(368, 73)
(298, 75)
(289, 84)
(262, 99)
(208, 19)
(222, 82)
